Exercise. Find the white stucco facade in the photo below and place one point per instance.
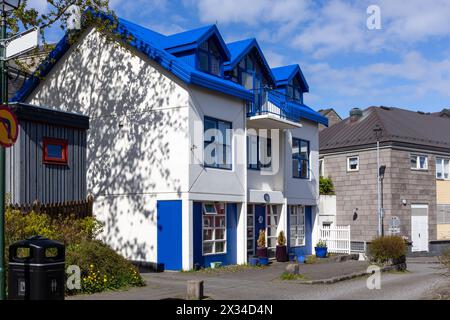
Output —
(145, 144)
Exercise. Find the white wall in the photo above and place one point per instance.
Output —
(138, 149)
(303, 191)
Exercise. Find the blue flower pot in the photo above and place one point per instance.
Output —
(263, 261)
(301, 259)
(321, 252)
(292, 257)
(253, 261)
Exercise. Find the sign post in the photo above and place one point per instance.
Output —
(9, 48)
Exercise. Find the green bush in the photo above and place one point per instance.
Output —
(326, 186)
(384, 249)
(94, 258)
(101, 267)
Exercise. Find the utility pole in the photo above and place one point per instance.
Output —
(378, 132)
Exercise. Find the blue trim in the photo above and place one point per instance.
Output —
(228, 258)
(169, 234)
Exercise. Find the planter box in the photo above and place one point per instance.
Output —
(262, 252)
(321, 252)
(281, 254)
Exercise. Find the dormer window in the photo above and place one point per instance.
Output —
(294, 91)
(209, 58)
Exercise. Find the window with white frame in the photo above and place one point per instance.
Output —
(419, 162)
(214, 228)
(353, 163)
(442, 169)
(321, 168)
(297, 225)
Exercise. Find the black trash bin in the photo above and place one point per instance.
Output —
(36, 270)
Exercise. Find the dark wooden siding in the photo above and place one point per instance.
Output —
(28, 178)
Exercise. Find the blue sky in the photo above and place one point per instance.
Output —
(405, 64)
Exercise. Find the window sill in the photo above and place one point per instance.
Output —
(217, 168)
(214, 254)
(298, 178)
(419, 170)
(56, 163)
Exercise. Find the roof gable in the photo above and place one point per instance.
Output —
(240, 49)
(190, 40)
(283, 75)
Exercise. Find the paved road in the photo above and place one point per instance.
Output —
(422, 280)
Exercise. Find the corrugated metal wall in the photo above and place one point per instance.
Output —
(28, 178)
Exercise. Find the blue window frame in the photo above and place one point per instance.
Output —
(209, 59)
(300, 158)
(259, 152)
(217, 143)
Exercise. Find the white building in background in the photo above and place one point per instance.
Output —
(170, 193)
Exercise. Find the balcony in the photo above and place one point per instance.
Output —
(273, 110)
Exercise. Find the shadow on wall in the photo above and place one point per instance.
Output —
(132, 118)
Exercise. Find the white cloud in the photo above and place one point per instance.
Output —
(252, 12)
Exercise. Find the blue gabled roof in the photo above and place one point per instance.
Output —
(303, 110)
(191, 39)
(285, 74)
(240, 49)
(149, 43)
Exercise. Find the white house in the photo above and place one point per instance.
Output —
(194, 145)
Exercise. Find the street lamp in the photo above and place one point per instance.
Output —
(9, 5)
(6, 6)
(378, 134)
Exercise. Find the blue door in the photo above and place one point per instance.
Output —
(169, 219)
(260, 221)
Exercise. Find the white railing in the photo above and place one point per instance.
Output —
(337, 238)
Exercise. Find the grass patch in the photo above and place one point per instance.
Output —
(286, 276)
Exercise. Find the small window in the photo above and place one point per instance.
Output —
(321, 168)
(442, 169)
(55, 151)
(214, 228)
(300, 158)
(419, 162)
(259, 152)
(353, 164)
(217, 143)
(209, 59)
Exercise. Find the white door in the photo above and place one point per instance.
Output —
(419, 227)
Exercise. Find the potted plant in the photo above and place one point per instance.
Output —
(321, 249)
(281, 251)
(261, 251)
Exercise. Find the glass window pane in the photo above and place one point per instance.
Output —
(209, 208)
(207, 235)
(207, 247)
(296, 168)
(423, 162)
(208, 221)
(220, 247)
(446, 169)
(215, 65)
(203, 61)
(220, 222)
(413, 162)
(55, 151)
(304, 152)
(249, 244)
(439, 168)
(305, 169)
(220, 234)
(204, 45)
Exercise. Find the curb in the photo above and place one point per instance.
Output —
(346, 277)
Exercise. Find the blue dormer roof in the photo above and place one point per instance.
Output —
(283, 75)
(190, 40)
(240, 49)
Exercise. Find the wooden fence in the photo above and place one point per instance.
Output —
(81, 209)
(337, 238)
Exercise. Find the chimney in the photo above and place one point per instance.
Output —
(355, 114)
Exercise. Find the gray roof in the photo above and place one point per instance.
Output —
(399, 126)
